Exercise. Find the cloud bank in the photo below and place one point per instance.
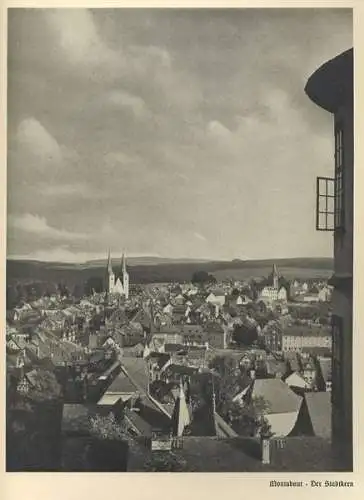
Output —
(171, 132)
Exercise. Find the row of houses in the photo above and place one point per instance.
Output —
(296, 338)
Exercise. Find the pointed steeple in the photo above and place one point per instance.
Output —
(123, 263)
(109, 265)
(110, 274)
(275, 276)
(181, 415)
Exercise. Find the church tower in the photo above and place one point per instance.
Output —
(275, 277)
(125, 276)
(110, 274)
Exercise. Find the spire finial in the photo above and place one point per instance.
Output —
(123, 262)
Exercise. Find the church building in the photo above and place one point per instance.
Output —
(274, 292)
(118, 284)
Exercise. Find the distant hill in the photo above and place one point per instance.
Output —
(155, 269)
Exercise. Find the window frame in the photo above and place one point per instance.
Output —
(332, 189)
(339, 189)
(325, 194)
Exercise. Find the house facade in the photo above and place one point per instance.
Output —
(292, 342)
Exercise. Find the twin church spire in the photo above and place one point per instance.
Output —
(119, 284)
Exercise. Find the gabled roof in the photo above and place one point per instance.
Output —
(190, 329)
(122, 385)
(182, 369)
(296, 380)
(280, 398)
(136, 370)
(160, 358)
(138, 424)
(306, 331)
(174, 348)
(319, 409)
(273, 366)
(108, 400)
(213, 326)
(218, 292)
(223, 429)
(325, 368)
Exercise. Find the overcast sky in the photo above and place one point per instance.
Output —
(167, 132)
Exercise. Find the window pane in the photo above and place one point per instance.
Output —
(322, 187)
(330, 205)
(330, 189)
(322, 221)
(330, 221)
(322, 204)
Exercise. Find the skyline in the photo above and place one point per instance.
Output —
(123, 131)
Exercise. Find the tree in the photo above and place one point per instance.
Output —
(22, 295)
(254, 289)
(94, 284)
(12, 297)
(63, 290)
(50, 290)
(106, 427)
(77, 291)
(248, 419)
(164, 461)
(245, 333)
(228, 381)
(46, 386)
(202, 278)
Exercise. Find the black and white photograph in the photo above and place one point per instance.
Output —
(179, 241)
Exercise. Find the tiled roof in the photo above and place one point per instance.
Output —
(181, 369)
(326, 368)
(160, 358)
(121, 385)
(294, 365)
(108, 400)
(319, 409)
(280, 398)
(213, 326)
(138, 423)
(174, 347)
(223, 429)
(273, 366)
(306, 331)
(136, 369)
(218, 292)
(317, 351)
